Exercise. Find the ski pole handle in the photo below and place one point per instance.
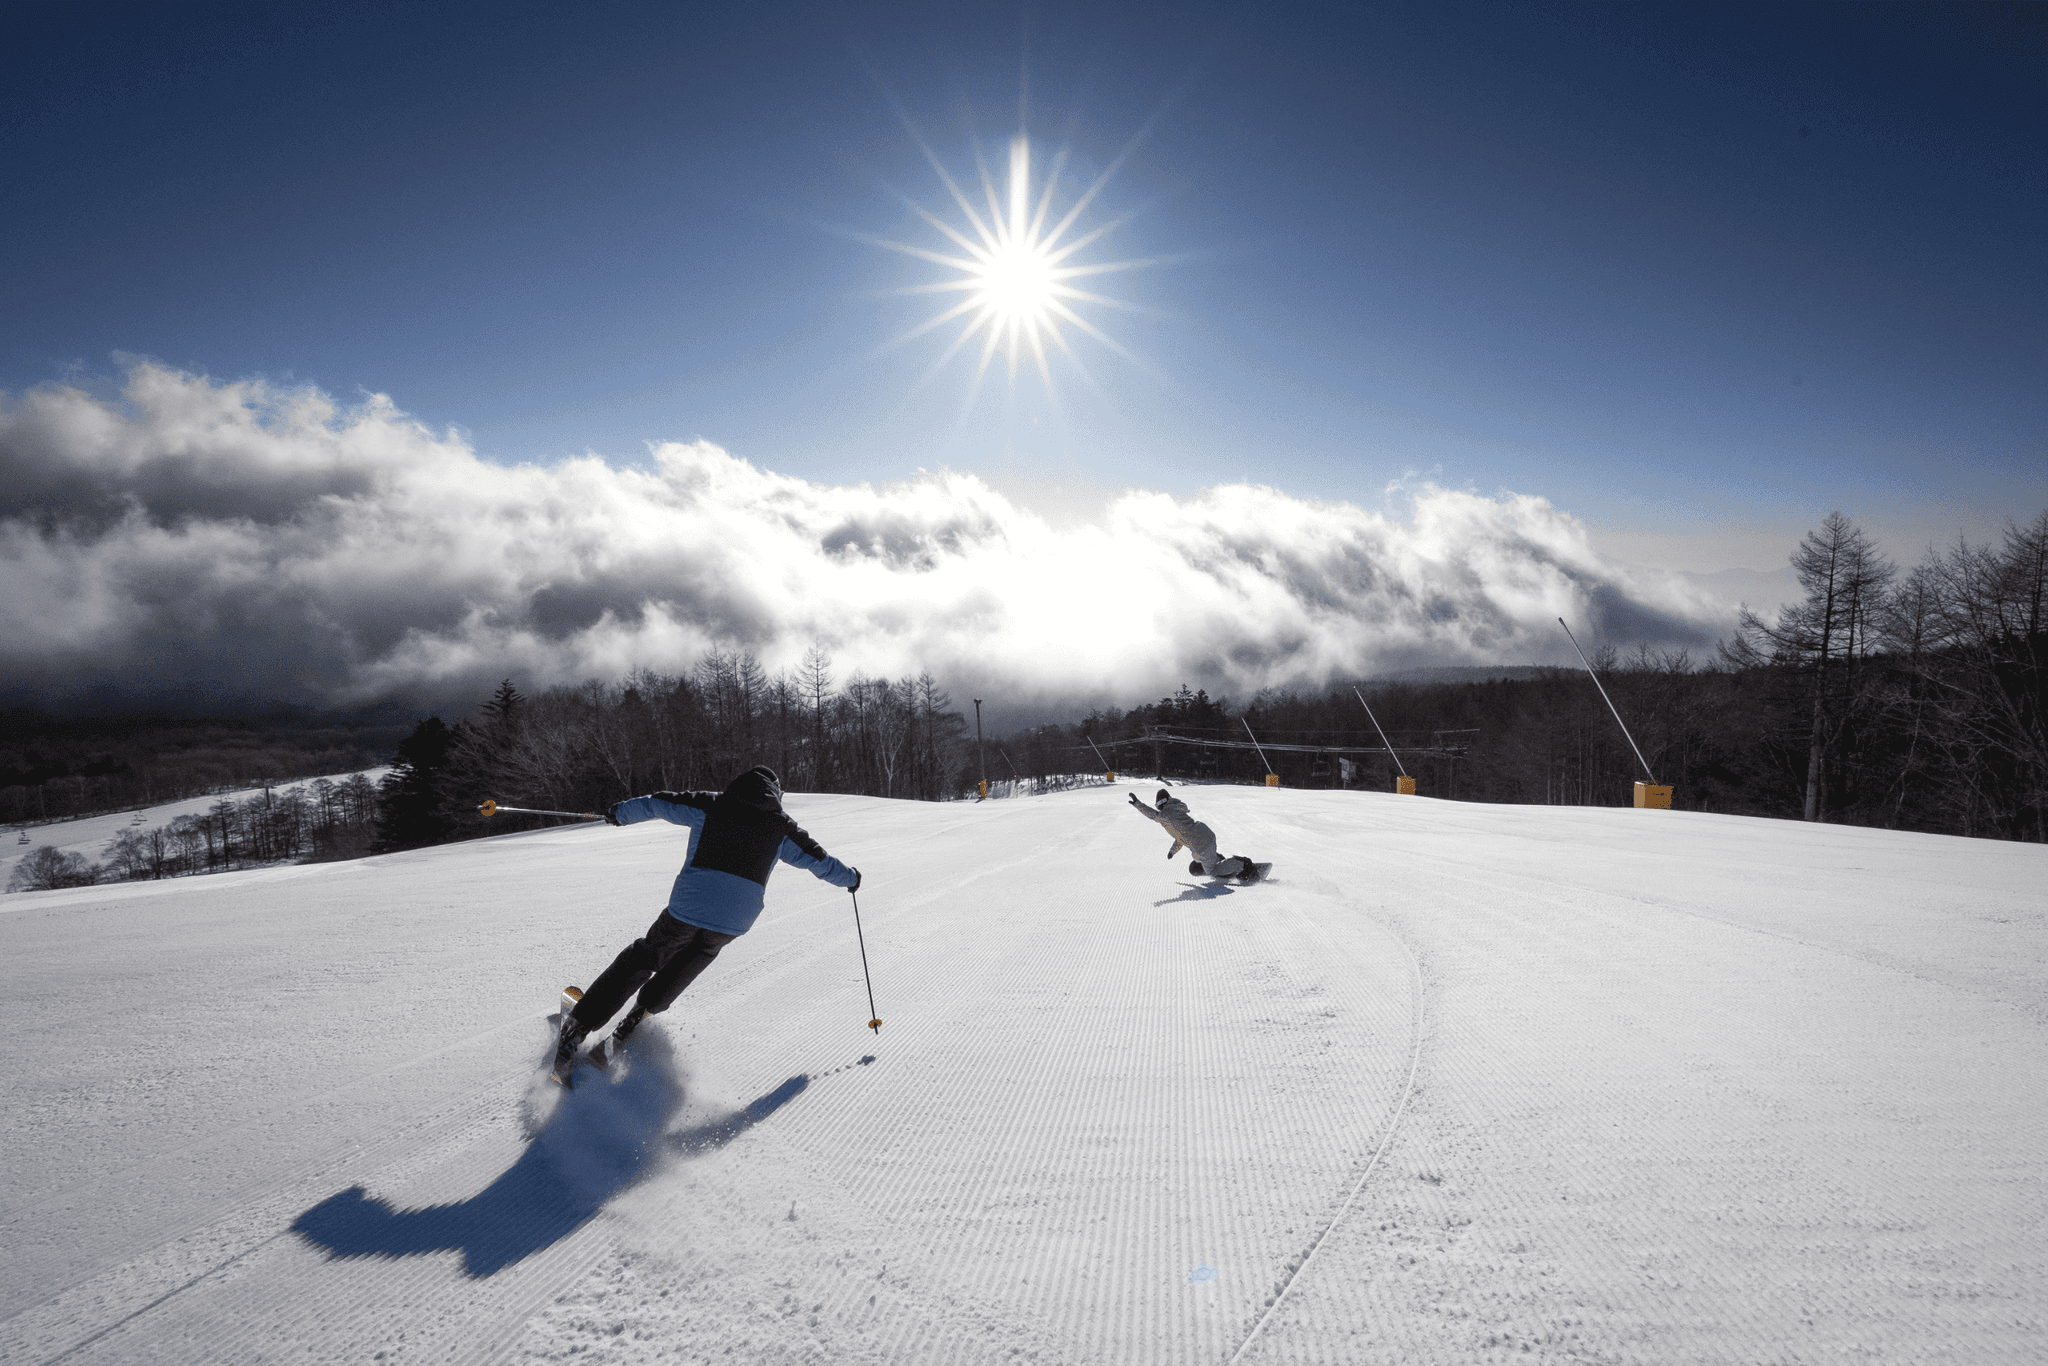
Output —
(492, 809)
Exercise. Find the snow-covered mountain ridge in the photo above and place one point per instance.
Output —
(1460, 1083)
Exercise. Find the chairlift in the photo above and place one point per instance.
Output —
(1320, 768)
(1206, 761)
(24, 837)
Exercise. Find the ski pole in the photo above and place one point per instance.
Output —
(492, 809)
(874, 1022)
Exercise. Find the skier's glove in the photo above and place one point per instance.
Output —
(611, 814)
(856, 882)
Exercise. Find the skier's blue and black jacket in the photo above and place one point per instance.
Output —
(736, 837)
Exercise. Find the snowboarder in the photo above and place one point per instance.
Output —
(739, 834)
(1196, 837)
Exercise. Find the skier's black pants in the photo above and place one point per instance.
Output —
(659, 964)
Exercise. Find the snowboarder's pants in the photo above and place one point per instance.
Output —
(659, 964)
(1201, 842)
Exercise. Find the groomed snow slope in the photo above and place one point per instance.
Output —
(1460, 1083)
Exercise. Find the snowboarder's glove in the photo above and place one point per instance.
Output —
(611, 814)
(856, 881)
(1134, 799)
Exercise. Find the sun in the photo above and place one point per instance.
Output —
(1017, 285)
(1015, 267)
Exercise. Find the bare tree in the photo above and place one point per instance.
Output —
(814, 679)
(1828, 634)
(1986, 662)
(50, 867)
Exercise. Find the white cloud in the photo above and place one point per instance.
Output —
(256, 541)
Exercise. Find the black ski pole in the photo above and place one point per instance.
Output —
(874, 1023)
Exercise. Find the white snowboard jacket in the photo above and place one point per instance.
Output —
(1180, 823)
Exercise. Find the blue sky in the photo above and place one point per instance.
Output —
(1679, 269)
(1697, 275)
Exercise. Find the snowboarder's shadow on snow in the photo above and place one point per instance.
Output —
(602, 1137)
(1200, 891)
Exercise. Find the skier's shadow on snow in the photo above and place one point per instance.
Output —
(601, 1138)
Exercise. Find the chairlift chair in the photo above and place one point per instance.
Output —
(1320, 768)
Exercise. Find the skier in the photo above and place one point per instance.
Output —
(739, 834)
(1198, 838)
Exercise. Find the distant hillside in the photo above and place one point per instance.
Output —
(55, 767)
(1483, 673)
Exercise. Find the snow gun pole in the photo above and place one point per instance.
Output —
(980, 754)
(492, 809)
(1376, 726)
(1107, 767)
(1272, 778)
(1608, 700)
(874, 1020)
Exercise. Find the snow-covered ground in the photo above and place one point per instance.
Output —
(90, 835)
(1459, 1084)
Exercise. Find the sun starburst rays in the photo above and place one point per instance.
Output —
(1015, 275)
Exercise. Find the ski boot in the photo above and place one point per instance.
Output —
(600, 1056)
(573, 1031)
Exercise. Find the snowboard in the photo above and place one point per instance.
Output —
(1259, 871)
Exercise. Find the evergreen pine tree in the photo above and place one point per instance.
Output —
(409, 800)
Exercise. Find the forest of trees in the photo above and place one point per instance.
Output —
(583, 748)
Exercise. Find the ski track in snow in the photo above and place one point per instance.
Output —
(1457, 1084)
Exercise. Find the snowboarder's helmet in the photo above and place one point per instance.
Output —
(1163, 796)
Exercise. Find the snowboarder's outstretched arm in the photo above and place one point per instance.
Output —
(1150, 814)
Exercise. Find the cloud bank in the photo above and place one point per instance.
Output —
(241, 541)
